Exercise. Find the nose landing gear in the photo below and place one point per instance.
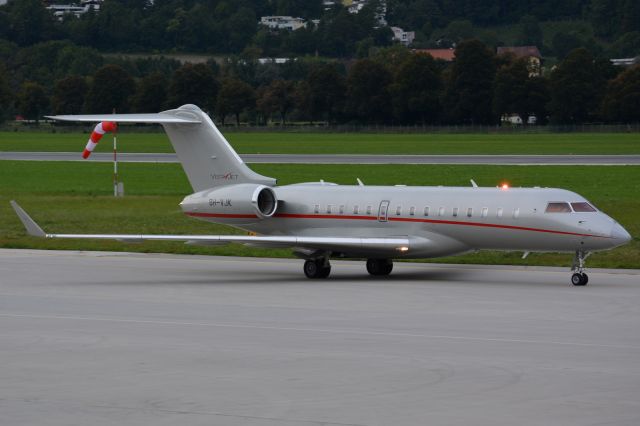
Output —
(579, 277)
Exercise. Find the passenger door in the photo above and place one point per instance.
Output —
(383, 212)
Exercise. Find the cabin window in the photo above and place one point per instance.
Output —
(485, 211)
(558, 207)
(328, 208)
(499, 212)
(441, 211)
(341, 208)
(316, 208)
(412, 211)
(398, 210)
(426, 211)
(583, 207)
(368, 209)
(469, 212)
(355, 209)
(455, 212)
(516, 213)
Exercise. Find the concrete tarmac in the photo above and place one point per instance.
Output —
(133, 339)
(617, 160)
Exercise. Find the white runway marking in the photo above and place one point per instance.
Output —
(315, 330)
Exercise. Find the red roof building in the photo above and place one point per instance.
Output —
(447, 55)
(520, 51)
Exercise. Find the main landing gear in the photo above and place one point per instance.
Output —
(579, 277)
(321, 268)
(317, 268)
(378, 267)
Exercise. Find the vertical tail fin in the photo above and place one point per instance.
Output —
(206, 156)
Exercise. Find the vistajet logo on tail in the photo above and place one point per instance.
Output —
(226, 176)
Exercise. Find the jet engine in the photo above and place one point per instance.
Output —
(241, 201)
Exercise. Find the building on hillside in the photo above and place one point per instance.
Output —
(531, 53)
(278, 61)
(404, 37)
(626, 62)
(282, 22)
(447, 55)
(356, 6)
(61, 10)
(328, 4)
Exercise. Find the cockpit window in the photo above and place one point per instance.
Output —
(558, 208)
(583, 207)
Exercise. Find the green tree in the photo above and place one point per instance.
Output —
(417, 89)
(469, 91)
(32, 101)
(368, 97)
(277, 97)
(327, 90)
(151, 94)
(628, 45)
(621, 103)
(303, 99)
(459, 30)
(564, 42)
(235, 97)
(538, 97)
(29, 22)
(605, 17)
(69, 95)
(193, 84)
(241, 27)
(5, 95)
(510, 89)
(530, 32)
(630, 16)
(576, 89)
(111, 88)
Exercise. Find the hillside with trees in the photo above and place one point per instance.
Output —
(344, 69)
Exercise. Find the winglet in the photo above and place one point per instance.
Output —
(32, 228)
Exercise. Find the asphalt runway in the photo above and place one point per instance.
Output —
(133, 339)
(345, 158)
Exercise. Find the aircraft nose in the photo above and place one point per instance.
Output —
(620, 235)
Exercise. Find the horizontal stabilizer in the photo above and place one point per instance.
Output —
(132, 118)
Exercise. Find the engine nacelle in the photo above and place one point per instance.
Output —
(242, 201)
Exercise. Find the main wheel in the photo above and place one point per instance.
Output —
(325, 271)
(379, 267)
(316, 269)
(579, 279)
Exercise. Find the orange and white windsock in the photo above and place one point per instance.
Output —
(97, 134)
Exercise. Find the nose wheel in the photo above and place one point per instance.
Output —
(579, 277)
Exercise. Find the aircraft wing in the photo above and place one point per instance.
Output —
(281, 241)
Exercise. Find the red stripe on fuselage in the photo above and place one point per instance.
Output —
(223, 215)
(394, 219)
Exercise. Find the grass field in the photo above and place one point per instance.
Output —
(349, 143)
(75, 197)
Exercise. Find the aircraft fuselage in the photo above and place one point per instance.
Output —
(441, 220)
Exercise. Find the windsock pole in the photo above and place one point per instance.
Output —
(115, 161)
